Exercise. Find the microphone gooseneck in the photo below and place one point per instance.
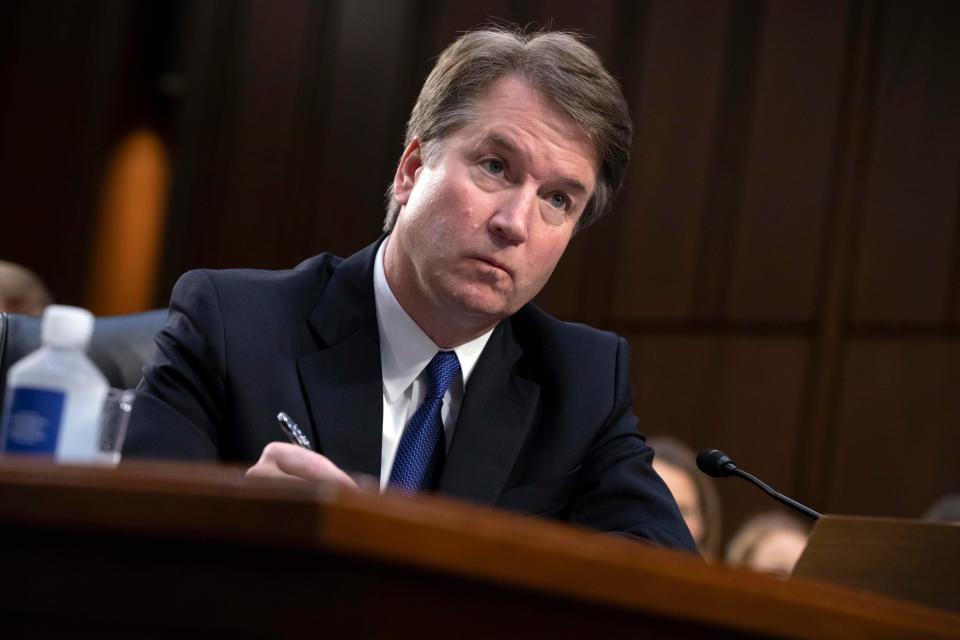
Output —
(716, 463)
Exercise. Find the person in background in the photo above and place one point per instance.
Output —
(22, 291)
(771, 542)
(694, 492)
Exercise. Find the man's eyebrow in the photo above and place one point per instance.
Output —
(574, 186)
(505, 143)
(500, 140)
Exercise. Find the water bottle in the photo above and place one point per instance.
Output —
(54, 395)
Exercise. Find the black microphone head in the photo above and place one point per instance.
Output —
(716, 463)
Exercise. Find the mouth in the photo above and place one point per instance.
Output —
(495, 264)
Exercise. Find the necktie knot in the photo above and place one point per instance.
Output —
(440, 373)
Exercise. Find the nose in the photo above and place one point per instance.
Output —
(512, 217)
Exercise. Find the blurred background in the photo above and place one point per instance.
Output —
(784, 259)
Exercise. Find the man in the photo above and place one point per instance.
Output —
(419, 360)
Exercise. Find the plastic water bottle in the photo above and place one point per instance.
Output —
(55, 394)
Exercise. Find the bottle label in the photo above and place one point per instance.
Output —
(33, 421)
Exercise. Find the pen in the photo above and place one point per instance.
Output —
(296, 436)
(292, 431)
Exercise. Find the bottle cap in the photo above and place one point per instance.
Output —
(66, 326)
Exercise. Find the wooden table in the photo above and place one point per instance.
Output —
(163, 550)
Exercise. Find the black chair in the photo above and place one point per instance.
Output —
(119, 347)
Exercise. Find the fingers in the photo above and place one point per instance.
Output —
(283, 460)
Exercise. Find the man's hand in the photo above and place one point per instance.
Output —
(283, 460)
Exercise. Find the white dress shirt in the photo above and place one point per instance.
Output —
(405, 352)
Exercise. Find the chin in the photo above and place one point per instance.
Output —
(480, 305)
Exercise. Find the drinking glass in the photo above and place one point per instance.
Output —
(113, 424)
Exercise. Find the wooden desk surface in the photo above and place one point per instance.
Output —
(198, 547)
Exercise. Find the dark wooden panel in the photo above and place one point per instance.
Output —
(359, 155)
(292, 121)
(846, 188)
(213, 41)
(897, 445)
(255, 157)
(741, 395)
(62, 60)
(777, 249)
(302, 203)
(452, 18)
(911, 199)
(728, 156)
(674, 112)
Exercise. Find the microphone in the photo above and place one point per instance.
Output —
(716, 463)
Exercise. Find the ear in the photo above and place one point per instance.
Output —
(407, 171)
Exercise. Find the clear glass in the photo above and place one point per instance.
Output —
(113, 424)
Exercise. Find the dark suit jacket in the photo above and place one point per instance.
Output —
(545, 427)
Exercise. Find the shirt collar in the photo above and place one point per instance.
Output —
(405, 350)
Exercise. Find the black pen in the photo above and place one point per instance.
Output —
(292, 431)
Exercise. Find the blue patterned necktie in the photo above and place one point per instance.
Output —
(420, 454)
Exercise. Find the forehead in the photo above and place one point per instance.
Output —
(511, 113)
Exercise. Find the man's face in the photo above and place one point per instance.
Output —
(487, 217)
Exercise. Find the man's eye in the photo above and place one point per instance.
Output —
(558, 200)
(494, 166)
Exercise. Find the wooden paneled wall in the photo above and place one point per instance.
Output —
(784, 259)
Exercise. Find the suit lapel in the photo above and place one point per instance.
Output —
(342, 381)
(343, 385)
(497, 413)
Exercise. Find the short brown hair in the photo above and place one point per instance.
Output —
(568, 74)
